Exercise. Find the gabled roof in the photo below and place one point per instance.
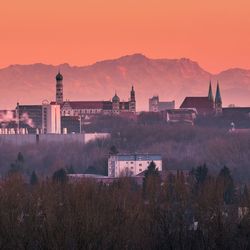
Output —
(201, 104)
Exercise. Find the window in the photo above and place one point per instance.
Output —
(140, 164)
(131, 162)
(140, 169)
(132, 167)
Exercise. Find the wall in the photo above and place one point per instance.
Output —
(19, 139)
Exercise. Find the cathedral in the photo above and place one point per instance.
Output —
(86, 108)
(205, 105)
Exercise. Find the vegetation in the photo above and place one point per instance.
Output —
(40, 208)
(172, 213)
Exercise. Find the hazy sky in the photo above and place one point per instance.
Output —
(216, 33)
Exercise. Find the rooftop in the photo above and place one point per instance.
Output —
(139, 157)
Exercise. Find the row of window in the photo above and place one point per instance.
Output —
(132, 162)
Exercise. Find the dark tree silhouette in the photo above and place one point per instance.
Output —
(200, 174)
(18, 165)
(113, 150)
(60, 176)
(226, 180)
(33, 178)
(70, 170)
(151, 180)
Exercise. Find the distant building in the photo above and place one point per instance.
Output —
(205, 105)
(70, 124)
(87, 108)
(236, 111)
(180, 115)
(59, 88)
(156, 106)
(51, 119)
(131, 164)
(29, 117)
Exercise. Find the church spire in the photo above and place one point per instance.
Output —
(210, 93)
(218, 96)
(218, 101)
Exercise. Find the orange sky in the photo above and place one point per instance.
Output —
(216, 33)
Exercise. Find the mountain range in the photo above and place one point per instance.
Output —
(171, 79)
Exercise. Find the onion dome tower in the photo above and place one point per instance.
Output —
(132, 102)
(59, 88)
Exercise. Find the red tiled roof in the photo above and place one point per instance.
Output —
(86, 104)
(106, 105)
(202, 104)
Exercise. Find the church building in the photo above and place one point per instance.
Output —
(205, 105)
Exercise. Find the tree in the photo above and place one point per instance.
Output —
(70, 170)
(20, 158)
(113, 150)
(18, 165)
(200, 174)
(151, 181)
(225, 180)
(60, 176)
(33, 179)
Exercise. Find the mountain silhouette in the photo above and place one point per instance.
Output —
(171, 79)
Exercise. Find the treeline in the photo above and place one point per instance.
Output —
(198, 212)
(181, 147)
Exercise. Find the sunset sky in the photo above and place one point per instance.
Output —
(80, 32)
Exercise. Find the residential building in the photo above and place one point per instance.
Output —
(131, 164)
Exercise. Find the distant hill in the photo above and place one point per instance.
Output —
(171, 79)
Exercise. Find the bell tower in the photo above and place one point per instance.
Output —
(132, 102)
(59, 88)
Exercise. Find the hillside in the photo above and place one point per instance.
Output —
(171, 79)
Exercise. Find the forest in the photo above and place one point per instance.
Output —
(203, 211)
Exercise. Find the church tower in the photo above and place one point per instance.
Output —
(210, 93)
(218, 101)
(132, 102)
(59, 88)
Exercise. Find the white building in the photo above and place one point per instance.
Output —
(51, 119)
(156, 106)
(131, 164)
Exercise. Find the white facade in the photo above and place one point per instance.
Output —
(51, 119)
(131, 164)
